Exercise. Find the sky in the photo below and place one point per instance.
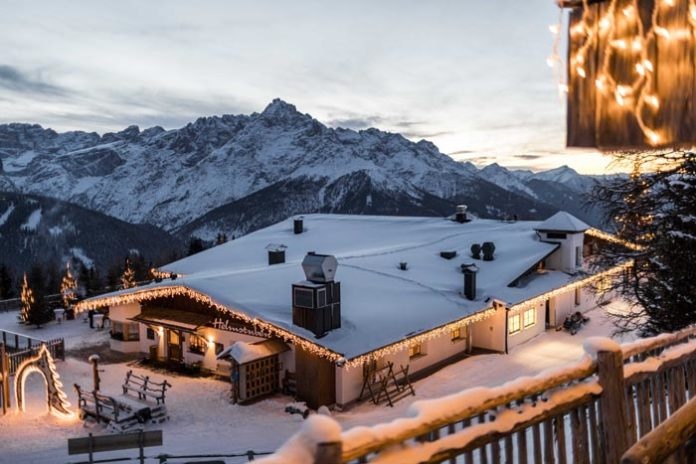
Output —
(468, 75)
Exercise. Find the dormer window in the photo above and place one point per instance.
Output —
(556, 235)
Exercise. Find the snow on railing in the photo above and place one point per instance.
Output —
(551, 417)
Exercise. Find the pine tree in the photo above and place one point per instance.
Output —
(128, 276)
(655, 210)
(221, 238)
(39, 312)
(27, 300)
(196, 245)
(6, 290)
(68, 287)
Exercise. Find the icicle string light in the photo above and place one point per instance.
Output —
(275, 331)
(616, 270)
(639, 94)
(612, 238)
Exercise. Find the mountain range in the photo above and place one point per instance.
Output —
(237, 173)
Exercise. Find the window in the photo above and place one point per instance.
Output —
(456, 334)
(529, 317)
(150, 333)
(197, 344)
(218, 348)
(415, 350)
(556, 235)
(514, 324)
(125, 331)
(133, 332)
(577, 296)
(304, 298)
(321, 298)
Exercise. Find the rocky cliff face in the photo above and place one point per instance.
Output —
(235, 173)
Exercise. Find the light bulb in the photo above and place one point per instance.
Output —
(619, 98)
(640, 69)
(653, 101)
(661, 31)
(563, 88)
(623, 90)
(599, 83)
(604, 23)
(620, 43)
(653, 136)
(628, 11)
(555, 29)
(581, 72)
(636, 45)
(648, 65)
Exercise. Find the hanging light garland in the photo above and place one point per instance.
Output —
(596, 233)
(611, 272)
(639, 94)
(271, 330)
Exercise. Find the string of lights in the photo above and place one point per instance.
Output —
(273, 330)
(532, 302)
(612, 238)
(621, 29)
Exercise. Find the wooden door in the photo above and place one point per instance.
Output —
(174, 346)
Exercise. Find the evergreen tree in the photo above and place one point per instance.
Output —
(38, 311)
(196, 245)
(68, 287)
(6, 290)
(221, 238)
(656, 212)
(27, 300)
(128, 276)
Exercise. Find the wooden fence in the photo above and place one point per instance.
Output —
(15, 304)
(18, 348)
(590, 412)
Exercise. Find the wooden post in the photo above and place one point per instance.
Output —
(94, 359)
(613, 403)
(328, 453)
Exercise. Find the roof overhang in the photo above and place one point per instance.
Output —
(173, 319)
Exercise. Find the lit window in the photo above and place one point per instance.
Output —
(514, 324)
(529, 317)
(415, 350)
(456, 334)
(197, 344)
(150, 332)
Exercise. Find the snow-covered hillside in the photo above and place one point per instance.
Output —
(204, 177)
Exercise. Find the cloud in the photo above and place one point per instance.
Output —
(15, 80)
(356, 122)
(528, 157)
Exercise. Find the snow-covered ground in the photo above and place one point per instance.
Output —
(202, 419)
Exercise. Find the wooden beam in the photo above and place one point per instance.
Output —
(121, 441)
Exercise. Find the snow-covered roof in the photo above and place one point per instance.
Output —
(380, 304)
(563, 222)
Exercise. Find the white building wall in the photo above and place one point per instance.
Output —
(121, 313)
(489, 334)
(527, 333)
(564, 259)
(349, 381)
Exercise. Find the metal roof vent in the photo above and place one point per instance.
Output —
(461, 215)
(298, 225)
(276, 253)
(319, 268)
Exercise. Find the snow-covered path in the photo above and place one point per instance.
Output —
(203, 421)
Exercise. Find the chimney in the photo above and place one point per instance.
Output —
(460, 215)
(470, 271)
(298, 225)
(276, 254)
(316, 302)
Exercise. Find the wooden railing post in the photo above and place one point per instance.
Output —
(328, 453)
(613, 400)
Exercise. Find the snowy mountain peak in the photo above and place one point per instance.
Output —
(282, 112)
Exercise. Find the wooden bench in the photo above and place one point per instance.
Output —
(145, 389)
(142, 400)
